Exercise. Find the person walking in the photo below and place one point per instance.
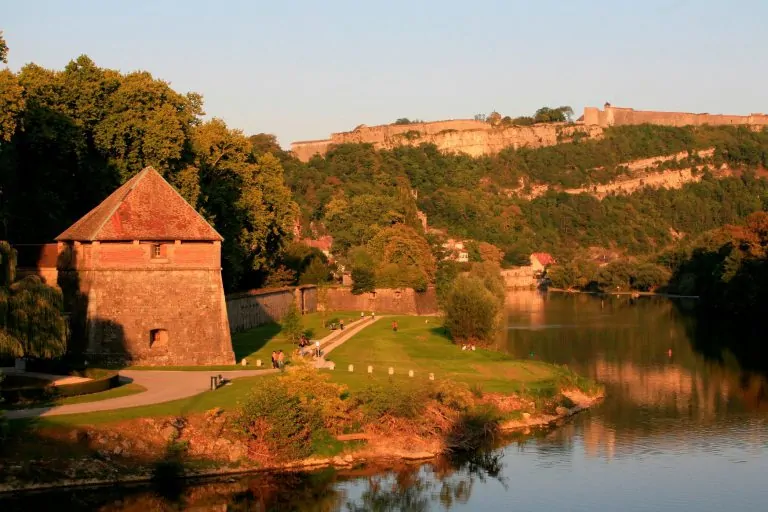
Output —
(341, 324)
(394, 326)
(280, 360)
(274, 359)
(317, 349)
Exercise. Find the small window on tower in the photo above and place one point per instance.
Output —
(158, 338)
(156, 250)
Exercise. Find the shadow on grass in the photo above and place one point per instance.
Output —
(247, 342)
(441, 332)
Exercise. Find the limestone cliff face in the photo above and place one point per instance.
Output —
(475, 138)
(478, 138)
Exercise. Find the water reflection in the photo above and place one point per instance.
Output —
(684, 427)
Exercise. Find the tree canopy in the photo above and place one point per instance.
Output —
(68, 138)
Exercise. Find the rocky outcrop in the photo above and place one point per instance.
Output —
(474, 138)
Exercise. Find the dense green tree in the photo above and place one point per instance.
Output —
(32, 322)
(292, 326)
(402, 258)
(3, 49)
(471, 310)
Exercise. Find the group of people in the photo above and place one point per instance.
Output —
(305, 342)
(278, 359)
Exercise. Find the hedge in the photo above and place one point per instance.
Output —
(38, 394)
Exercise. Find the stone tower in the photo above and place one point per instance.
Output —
(141, 273)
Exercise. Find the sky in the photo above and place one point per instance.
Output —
(304, 69)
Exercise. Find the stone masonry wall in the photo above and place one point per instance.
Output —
(123, 308)
(385, 300)
(622, 116)
(257, 307)
(127, 304)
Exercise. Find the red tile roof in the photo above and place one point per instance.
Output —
(146, 207)
(544, 258)
(324, 243)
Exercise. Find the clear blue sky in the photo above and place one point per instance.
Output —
(302, 69)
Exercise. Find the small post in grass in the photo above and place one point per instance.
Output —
(370, 369)
(410, 373)
(391, 371)
(258, 363)
(431, 376)
(213, 382)
(351, 368)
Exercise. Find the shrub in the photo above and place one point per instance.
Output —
(315, 390)
(454, 395)
(277, 418)
(377, 401)
(471, 310)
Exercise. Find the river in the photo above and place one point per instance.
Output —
(684, 427)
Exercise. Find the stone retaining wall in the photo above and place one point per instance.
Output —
(404, 301)
(257, 307)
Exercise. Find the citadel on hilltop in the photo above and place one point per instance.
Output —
(477, 138)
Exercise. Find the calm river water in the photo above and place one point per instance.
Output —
(684, 427)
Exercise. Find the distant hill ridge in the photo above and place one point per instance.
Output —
(477, 138)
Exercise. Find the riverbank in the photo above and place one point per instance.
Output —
(631, 293)
(365, 417)
(204, 446)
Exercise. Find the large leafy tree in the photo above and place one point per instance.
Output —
(31, 319)
(245, 198)
(68, 138)
(403, 258)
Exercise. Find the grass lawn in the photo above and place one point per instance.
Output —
(420, 345)
(259, 342)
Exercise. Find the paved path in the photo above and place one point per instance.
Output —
(165, 386)
(161, 387)
(331, 344)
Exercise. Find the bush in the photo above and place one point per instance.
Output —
(471, 310)
(314, 388)
(377, 401)
(454, 395)
(277, 418)
(289, 416)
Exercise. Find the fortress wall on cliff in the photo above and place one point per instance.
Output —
(621, 116)
(477, 138)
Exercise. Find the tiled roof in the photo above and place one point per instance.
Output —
(544, 258)
(146, 207)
